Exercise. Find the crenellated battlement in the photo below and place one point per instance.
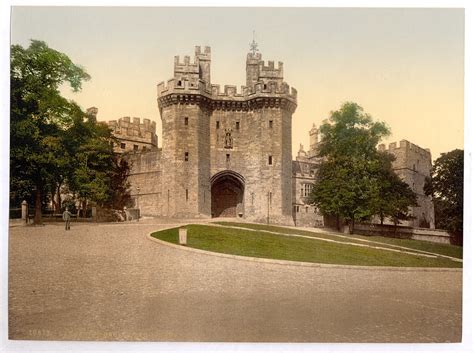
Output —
(182, 85)
(185, 67)
(193, 77)
(133, 132)
(254, 56)
(215, 92)
(407, 147)
(270, 70)
(206, 53)
(126, 123)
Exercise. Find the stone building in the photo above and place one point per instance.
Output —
(134, 135)
(304, 172)
(412, 164)
(224, 152)
(227, 153)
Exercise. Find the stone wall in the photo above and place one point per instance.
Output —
(146, 181)
(432, 235)
(303, 178)
(134, 135)
(413, 165)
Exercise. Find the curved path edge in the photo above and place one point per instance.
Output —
(296, 263)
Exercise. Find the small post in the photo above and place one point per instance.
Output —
(24, 211)
(138, 205)
(183, 235)
(94, 213)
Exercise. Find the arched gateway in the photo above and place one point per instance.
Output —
(227, 194)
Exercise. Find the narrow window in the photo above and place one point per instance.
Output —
(187, 195)
(144, 148)
(270, 124)
(270, 160)
(264, 86)
(179, 83)
(237, 125)
(306, 209)
(227, 157)
(217, 124)
(135, 147)
(186, 120)
(186, 156)
(122, 146)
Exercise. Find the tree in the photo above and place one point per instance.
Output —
(38, 114)
(120, 186)
(98, 174)
(446, 188)
(355, 181)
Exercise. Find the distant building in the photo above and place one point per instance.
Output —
(412, 164)
(134, 135)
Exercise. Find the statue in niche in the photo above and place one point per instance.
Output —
(228, 139)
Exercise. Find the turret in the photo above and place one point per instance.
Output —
(204, 61)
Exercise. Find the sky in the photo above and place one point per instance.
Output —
(404, 66)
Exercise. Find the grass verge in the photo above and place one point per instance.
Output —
(442, 249)
(271, 246)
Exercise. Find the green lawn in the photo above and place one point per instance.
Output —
(272, 246)
(442, 249)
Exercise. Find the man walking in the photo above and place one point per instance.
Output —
(67, 218)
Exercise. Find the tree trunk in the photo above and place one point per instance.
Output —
(58, 193)
(37, 219)
(381, 219)
(351, 225)
(53, 201)
(338, 223)
(83, 208)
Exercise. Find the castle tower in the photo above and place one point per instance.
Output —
(226, 154)
(313, 141)
(204, 61)
(252, 65)
(185, 147)
(413, 165)
(91, 114)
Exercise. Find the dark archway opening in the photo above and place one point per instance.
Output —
(227, 194)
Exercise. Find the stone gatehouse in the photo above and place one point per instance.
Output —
(227, 152)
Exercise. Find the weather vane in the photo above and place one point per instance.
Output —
(253, 45)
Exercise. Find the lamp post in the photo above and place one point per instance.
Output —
(138, 205)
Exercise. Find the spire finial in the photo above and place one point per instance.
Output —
(253, 45)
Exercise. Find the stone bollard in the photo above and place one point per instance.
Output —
(183, 235)
(24, 211)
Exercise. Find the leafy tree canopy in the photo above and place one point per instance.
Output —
(52, 141)
(38, 113)
(447, 187)
(355, 181)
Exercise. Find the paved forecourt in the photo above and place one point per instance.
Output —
(109, 282)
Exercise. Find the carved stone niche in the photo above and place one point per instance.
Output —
(228, 143)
